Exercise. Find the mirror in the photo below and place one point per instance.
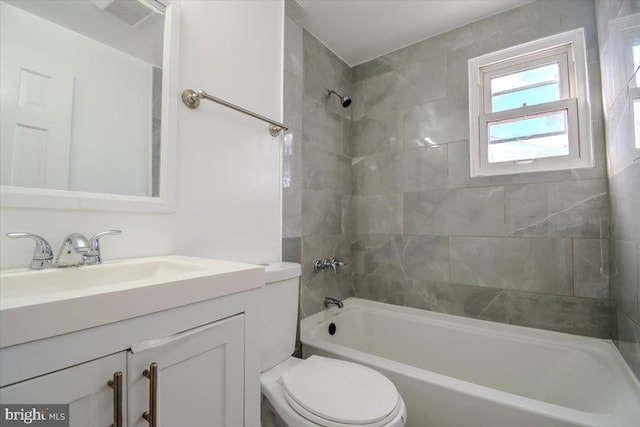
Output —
(82, 109)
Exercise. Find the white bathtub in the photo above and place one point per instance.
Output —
(458, 372)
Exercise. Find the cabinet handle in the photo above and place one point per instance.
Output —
(152, 414)
(116, 385)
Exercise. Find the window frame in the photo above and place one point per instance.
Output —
(568, 49)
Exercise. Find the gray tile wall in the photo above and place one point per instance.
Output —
(292, 140)
(326, 176)
(364, 184)
(529, 249)
(623, 158)
(317, 164)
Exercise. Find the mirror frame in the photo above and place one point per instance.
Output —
(41, 198)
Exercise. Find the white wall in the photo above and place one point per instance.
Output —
(228, 189)
(229, 177)
(111, 119)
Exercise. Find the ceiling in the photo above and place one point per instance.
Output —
(361, 30)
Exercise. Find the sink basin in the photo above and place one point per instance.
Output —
(56, 282)
(40, 304)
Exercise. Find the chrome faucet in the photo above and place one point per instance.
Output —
(76, 250)
(328, 301)
(327, 264)
(72, 251)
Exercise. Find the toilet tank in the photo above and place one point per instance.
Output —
(279, 309)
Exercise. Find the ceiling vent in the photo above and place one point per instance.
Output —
(131, 12)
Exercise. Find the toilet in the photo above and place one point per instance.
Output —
(317, 391)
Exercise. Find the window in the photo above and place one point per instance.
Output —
(529, 108)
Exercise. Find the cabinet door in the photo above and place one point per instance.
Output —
(84, 387)
(199, 380)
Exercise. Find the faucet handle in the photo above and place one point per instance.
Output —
(42, 254)
(335, 263)
(94, 256)
(94, 241)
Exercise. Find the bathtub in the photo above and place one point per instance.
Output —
(458, 372)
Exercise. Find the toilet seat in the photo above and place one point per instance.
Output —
(335, 393)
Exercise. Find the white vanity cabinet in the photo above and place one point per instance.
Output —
(194, 325)
(194, 378)
(84, 387)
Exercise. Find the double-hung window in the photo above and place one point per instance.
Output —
(529, 108)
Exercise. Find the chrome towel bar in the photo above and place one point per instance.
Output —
(191, 99)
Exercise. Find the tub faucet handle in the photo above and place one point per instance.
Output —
(335, 263)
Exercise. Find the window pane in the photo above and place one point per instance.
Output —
(532, 77)
(532, 96)
(527, 87)
(545, 135)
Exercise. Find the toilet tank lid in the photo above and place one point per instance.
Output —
(278, 271)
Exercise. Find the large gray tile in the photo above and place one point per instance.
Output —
(325, 170)
(460, 300)
(532, 21)
(292, 249)
(294, 11)
(321, 128)
(357, 255)
(376, 134)
(460, 212)
(324, 60)
(621, 149)
(582, 316)
(417, 52)
(531, 264)
(321, 212)
(437, 122)
(624, 187)
(400, 171)
(379, 214)
(378, 288)
(624, 277)
(407, 257)
(569, 208)
(293, 53)
(292, 184)
(291, 212)
(347, 217)
(412, 85)
(591, 268)
(628, 341)
(371, 68)
(292, 97)
(358, 98)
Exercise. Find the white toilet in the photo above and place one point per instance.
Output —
(317, 391)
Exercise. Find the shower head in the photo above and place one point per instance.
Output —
(344, 100)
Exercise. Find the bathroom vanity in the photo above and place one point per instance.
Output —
(174, 344)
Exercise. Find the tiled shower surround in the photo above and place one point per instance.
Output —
(385, 185)
(316, 201)
(614, 17)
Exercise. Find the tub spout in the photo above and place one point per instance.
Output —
(328, 301)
